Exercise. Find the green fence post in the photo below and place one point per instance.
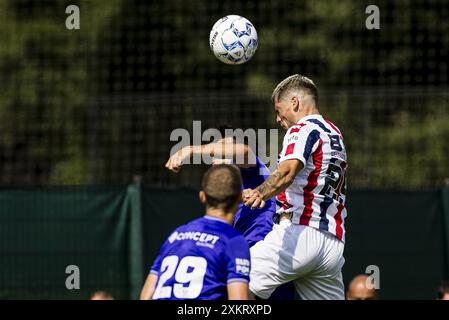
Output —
(136, 276)
(445, 200)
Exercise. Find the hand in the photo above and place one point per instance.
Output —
(175, 162)
(252, 198)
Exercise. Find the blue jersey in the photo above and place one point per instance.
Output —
(199, 259)
(255, 224)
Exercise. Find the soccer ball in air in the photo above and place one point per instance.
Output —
(233, 39)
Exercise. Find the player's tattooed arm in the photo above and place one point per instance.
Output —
(274, 182)
(277, 182)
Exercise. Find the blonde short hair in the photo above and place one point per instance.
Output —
(295, 82)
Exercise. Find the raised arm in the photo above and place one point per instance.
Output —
(277, 182)
(240, 154)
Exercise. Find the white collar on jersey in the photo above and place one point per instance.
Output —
(312, 116)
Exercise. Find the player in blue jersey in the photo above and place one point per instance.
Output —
(207, 258)
(254, 224)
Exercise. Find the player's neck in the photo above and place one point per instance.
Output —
(308, 111)
(220, 214)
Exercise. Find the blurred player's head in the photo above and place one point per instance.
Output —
(358, 289)
(101, 295)
(293, 98)
(443, 291)
(221, 189)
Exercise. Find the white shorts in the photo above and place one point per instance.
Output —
(311, 258)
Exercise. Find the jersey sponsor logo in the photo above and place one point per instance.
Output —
(292, 139)
(242, 266)
(202, 239)
(340, 155)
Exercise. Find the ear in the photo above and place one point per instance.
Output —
(295, 103)
(202, 197)
(238, 202)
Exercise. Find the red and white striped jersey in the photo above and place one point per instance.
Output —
(316, 198)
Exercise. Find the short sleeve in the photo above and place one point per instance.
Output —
(299, 143)
(238, 260)
(156, 267)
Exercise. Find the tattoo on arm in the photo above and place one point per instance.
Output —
(270, 186)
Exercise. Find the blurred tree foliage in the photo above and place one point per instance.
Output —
(79, 106)
(44, 80)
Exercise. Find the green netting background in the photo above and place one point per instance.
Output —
(113, 234)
